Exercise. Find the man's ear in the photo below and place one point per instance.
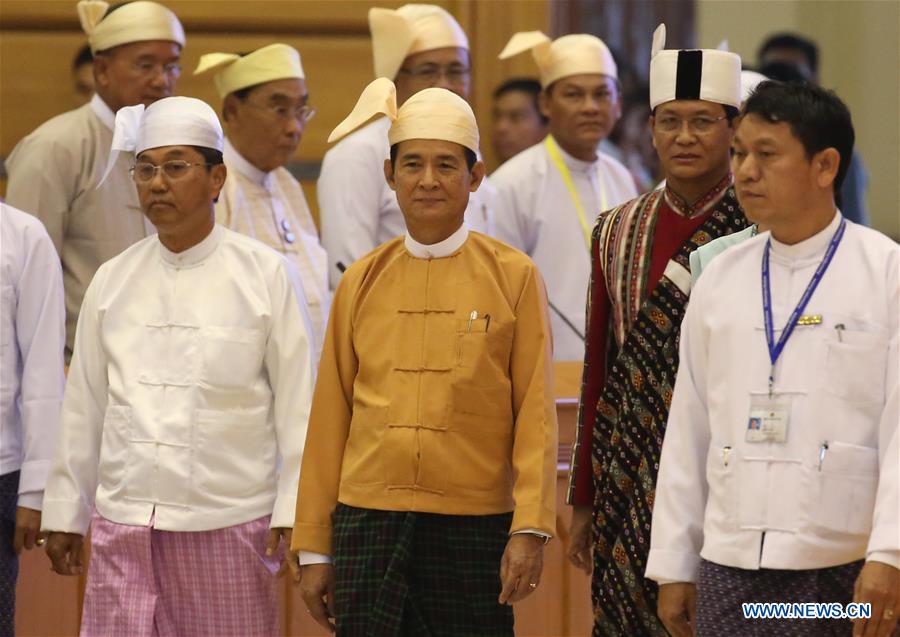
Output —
(101, 70)
(477, 175)
(229, 108)
(544, 103)
(218, 173)
(389, 174)
(826, 164)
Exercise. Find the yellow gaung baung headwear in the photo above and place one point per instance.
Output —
(577, 54)
(139, 21)
(412, 28)
(433, 113)
(266, 64)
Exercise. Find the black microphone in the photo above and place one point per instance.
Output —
(565, 320)
(340, 266)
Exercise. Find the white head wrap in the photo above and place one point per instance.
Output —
(579, 54)
(234, 72)
(412, 28)
(171, 121)
(693, 74)
(749, 81)
(132, 22)
(433, 113)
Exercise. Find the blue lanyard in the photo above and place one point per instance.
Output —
(775, 349)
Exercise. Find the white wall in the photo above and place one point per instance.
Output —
(859, 49)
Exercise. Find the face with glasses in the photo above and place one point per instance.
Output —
(267, 124)
(137, 73)
(693, 140)
(177, 189)
(448, 68)
(582, 110)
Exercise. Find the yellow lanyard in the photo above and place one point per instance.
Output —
(557, 159)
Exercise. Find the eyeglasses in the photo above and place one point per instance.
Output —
(430, 73)
(700, 124)
(171, 70)
(174, 169)
(284, 113)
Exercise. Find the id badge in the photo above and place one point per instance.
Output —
(768, 420)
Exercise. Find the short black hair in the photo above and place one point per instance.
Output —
(84, 56)
(817, 117)
(522, 85)
(784, 72)
(807, 47)
(211, 156)
(470, 156)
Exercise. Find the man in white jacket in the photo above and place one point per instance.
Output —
(779, 473)
(186, 406)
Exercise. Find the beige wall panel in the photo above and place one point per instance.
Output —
(859, 45)
(224, 15)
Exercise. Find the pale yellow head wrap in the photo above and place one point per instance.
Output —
(578, 54)
(434, 113)
(234, 72)
(412, 28)
(139, 21)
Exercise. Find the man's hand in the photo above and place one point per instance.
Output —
(65, 552)
(580, 551)
(317, 590)
(28, 529)
(677, 608)
(879, 585)
(288, 560)
(520, 567)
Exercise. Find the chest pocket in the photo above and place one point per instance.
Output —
(232, 356)
(854, 366)
(484, 346)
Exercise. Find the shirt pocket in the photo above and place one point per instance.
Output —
(115, 446)
(855, 364)
(847, 481)
(232, 356)
(235, 455)
(484, 349)
(720, 511)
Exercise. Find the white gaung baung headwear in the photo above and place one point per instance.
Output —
(139, 21)
(412, 28)
(578, 54)
(171, 121)
(433, 113)
(693, 74)
(749, 81)
(267, 64)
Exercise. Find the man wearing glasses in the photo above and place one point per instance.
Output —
(186, 406)
(417, 46)
(549, 195)
(637, 297)
(265, 108)
(54, 171)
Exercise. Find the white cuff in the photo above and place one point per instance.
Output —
(308, 557)
(32, 500)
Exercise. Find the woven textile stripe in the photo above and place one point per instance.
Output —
(9, 563)
(148, 583)
(419, 574)
(628, 435)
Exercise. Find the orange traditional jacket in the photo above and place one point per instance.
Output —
(434, 392)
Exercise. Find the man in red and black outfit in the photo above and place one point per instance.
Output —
(639, 290)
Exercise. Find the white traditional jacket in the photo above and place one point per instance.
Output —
(535, 212)
(829, 494)
(189, 391)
